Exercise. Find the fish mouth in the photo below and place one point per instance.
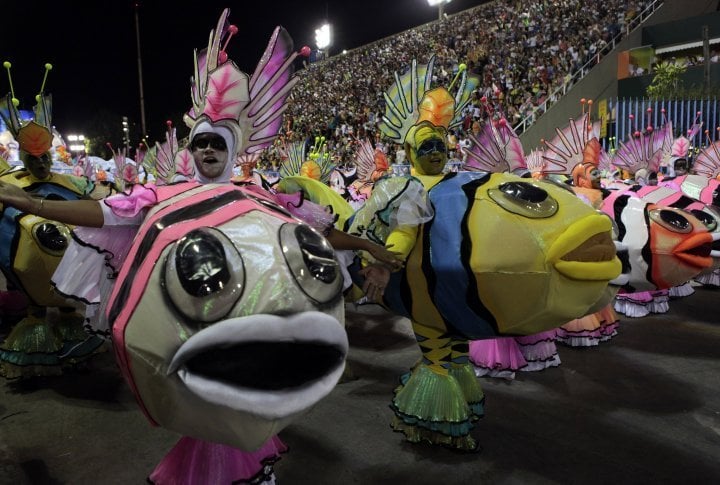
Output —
(268, 365)
(586, 251)
(697, 250)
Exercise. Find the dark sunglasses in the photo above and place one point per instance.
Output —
(214, 143)
(430, 146)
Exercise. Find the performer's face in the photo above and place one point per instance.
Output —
(39, 167)
(430, 151)
(210, 153)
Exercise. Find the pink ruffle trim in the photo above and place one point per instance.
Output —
(194, 461)
(130, 204)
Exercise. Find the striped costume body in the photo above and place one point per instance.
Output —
(227, 315)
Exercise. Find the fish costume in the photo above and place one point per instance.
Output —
(556, 251)
(219, 286)
(641, 157)
(31, 247)
(496, 148)
(707, 165)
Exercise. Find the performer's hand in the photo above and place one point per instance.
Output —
(383, 254)
(377, 277)
(14, 196)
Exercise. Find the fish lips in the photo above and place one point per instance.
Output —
(268, 365)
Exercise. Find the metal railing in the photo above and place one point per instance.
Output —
(634, 115)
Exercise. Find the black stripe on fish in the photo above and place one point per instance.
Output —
(646, 252)
(193, 211)
(683, 202)
(473, 295)
(618, 208)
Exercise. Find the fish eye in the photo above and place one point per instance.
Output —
(51, 237)
(204, 275)
(525, 199)
(312, 262)
(707, 219)
(672, 220)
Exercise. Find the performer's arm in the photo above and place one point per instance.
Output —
(76, 212)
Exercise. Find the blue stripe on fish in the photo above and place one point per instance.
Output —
(9, 236)
(449, 246)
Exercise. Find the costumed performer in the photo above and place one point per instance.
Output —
(454, 285)
(230, 430)
(32, 245)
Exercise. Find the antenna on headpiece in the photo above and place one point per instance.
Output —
(7, 65)
(48, 68)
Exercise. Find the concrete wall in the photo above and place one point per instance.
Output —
(602, 82)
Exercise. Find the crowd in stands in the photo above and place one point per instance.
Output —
(521, 50)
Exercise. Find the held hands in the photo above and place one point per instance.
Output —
(377, 277)
(383, 254)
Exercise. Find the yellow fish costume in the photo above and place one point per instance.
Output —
(500, 255)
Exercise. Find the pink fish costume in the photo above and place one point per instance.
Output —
(659, 254)
(642, 157)
(219, 285)
(705, 183)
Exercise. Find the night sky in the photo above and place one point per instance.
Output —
(92, 46)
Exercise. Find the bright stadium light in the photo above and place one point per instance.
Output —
(323, 38)
(78, 143)
(440, 4)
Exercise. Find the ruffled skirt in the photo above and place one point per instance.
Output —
(87, 271)
(496, 357)
(539, 350)
(197, 462)
(591, 329)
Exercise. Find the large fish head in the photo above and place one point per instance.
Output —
(227, 317)
(666, 246)
(31, 246)
(544, 256)
(508, 255)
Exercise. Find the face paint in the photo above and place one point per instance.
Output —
(210, 153)
(39, 167)
(428, 151)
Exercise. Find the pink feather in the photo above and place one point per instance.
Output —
(184, 164)
(680, 147)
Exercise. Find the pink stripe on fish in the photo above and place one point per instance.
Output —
(166, 237)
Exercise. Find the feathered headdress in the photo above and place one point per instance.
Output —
(410, 100)
(316, 164)
(707, 162)
(125, 173)
(676, 148)
(371, 163)
(567, 148)
(644, 151)
(34, 137)
(536, 164)
(250, 106)
(167, 162)
(497, 148)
